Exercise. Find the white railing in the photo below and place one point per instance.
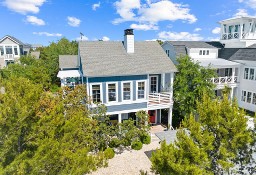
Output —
(160, 100)
(224, 80)
(8, 56)
(234, 35)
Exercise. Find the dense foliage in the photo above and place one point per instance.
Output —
(218, 143)
(189, 85)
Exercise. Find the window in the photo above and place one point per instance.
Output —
(153, 84)
(228, 72)
(246, 73)
(207, 52)
(15, 50)
(1, 50)
(249, 97)
(200, 52)
(141, 90)
(112, 92)
(254, 99)
(167, 52)
(243, 96)
(96, 93)
(203, 52)
(8, 49)
(126, 90)
(251, 77)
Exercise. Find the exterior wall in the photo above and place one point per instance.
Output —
(233, 43)
(172, 54)
(194, 53)
(248, 86)
(124, 108)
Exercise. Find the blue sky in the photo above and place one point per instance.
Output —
(44, 21)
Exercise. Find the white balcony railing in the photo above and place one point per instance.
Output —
(160, 100)
(224, 80)
(8, 56)
(234, 35)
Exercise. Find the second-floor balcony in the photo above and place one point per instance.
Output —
(225, 80)
(8, 57)
(160, 100)
(233, 35)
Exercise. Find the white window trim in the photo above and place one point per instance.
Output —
(116, 83)
(101, 91)
(157, 84)
(122, 90)
(145, 92)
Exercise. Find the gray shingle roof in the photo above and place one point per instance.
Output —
(238, 54)
(192, 44)
(68, 61)
(12, 38)
(180, 50)
(109, 58)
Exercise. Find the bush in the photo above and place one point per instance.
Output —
(126, 142)
(136, 145)
(114, 143)
(109, 153)
(145, 139)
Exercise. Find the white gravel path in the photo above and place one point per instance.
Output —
(130, 162)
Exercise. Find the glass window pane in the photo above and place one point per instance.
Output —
(141, 90)
(111, 92)
(246, 72)
(249, 97)
(126, 91)
(200, 53)
(15, 50)
(96, 93)
(251, 77)
(1, 50)
(254, 99)
(8, 49)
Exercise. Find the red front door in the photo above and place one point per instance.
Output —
(152, 115)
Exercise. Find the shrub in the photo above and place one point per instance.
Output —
(109, 153)
(126, 142)
(114, 143)
(136, 145)
(145, 139)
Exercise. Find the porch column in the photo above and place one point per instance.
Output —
(231, 93)
(162, 82)
(119, 118)
(233, 74)
(170, 118)
(171, 87)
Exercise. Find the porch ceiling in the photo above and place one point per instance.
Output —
(69, 73)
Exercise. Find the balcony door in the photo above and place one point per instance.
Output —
(153, 84)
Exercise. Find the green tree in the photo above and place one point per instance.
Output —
(218, 143)
(191, 81)
(17, 118)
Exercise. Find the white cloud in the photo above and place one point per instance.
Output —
(95, 6)
(213, 39)
(105, 38)
(182, 36)
(144, 26)
(249, 3)
(73, 21)
(240, 13)
(47, 34)
(216, 30)
(152, 12)
(35, 21)
(84, 38)
(197, 29)
(24, 6)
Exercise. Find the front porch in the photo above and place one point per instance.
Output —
(70, 78)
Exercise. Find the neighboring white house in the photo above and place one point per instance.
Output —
(234, 58)
(127, 76)
(11, 49)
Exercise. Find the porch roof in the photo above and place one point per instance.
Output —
(217, 63)
(69, 73)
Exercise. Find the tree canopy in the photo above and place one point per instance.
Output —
(189, 85)
(218, 143)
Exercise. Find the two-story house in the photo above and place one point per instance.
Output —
(233, 57)
(126, 76)
(11, 49)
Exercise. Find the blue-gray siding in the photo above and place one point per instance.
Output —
(124, 107)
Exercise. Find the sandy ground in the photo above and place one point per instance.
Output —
(130, 162)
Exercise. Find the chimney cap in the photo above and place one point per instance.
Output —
(128, 32)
